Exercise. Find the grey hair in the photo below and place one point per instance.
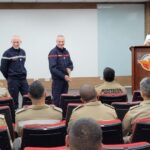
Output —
(87, 92)
(60, 35)
(145, 86)
(16, 37)
(85, 134)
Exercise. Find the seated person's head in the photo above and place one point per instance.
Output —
(84, 134)
(88, 93)
(37, 92)
(109, 74)
(145, 88)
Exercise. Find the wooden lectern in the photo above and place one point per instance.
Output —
(140, 64)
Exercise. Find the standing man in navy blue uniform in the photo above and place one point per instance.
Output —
(13, 69)
(60, 66)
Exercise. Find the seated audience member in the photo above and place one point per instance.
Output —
(38, 110)
(110, 87)
(139, 111)
(3, 91)
(147, 40)
(91, 107)
(84, 134)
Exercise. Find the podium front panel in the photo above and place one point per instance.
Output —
(140, 65)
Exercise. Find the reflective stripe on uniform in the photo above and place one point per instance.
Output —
(14, 57)
(54, 56)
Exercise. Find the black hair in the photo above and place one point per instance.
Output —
(109, 74)
(36, 90)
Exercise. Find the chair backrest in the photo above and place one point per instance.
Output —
(8, 101)
(141, 130)
(131, 146)
(27, 101)
(123, 107)
(112, 131)
(44, 135)
(66, 99)
(4, 139)
(111, 99)
(40, 148)
(137, 96)
(70, 108)
(5, 110)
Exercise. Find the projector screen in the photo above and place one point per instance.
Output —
(38, 30)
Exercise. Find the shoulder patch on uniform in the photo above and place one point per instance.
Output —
(57, 108)
(80, 106)
(108, 106)
(133, 107)
(2, 116)
(21, 110)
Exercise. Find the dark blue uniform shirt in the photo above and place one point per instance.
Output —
(12, 64)
(59, 60)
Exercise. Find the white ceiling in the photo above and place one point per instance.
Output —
(74, 1)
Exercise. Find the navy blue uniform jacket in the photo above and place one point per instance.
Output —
(12, 64)
(59, 60)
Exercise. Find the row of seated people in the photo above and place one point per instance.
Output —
(110, 88)
(121, 108)
(72, 100)
(91, 108)
(108, 111)
(86, 134)
(53, 135)
(83, 134)
(88, 95)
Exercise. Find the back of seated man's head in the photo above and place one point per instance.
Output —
(87, 93)
(36, 90)
(145, 88)
(84, 134)
(109, 74)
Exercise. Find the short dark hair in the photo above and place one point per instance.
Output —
(87, 92)
(108, 74)
(85, 134)
(36, 90)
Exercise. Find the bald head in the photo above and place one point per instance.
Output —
(60, 41)
(16, 41)
(87, 92)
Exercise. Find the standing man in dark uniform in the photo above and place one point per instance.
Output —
(13, 69)
(60, 66)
